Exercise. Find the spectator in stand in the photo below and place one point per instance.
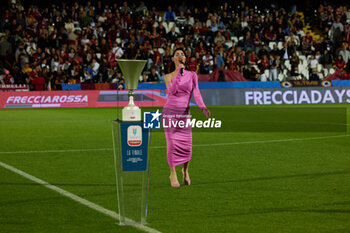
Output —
(279, 65)
(294, 61)
(219, 41)
(300, 33)
(208, 60)
(248, 42)
(5, 48)
(245, 25)
(318, 56)
(7, 78)
(179, 43)
(153, 76)
(131, 51)
(263, 52)
(273, 68)
(204, 67)
(306, 46)
(337, 29)
(263, 63)
(156, 58)
(280, 35)
(188, 54)
(73, 39)
(287, 51)
(242, 61)
(181, 20)
(275, 51)
(313, 64)
(2, 79)
(167, 59)
(344, 52)
(117, 51)
(161, 76)
(172, 35)
(347, 31)
(326, 59)
(38, 82)
(293, 38)
(201, 50)
(232, 63)
(104, 69)
(119, 81)
(95, 66)
(218, 60)
(142, 9)
(58, 79)
(192, 64)
(295, 73)
(270, 34)
(253, 59)
(236, 25)
(169, 15)
(257, 42)
(340, 63)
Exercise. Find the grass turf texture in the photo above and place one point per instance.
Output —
(291, 186)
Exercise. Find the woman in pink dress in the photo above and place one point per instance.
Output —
(180, 85)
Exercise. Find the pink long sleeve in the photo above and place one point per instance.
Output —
(173, 86)
(198, 97)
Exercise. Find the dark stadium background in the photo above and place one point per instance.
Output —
(307, 6)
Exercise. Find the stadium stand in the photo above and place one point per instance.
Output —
(79, 43)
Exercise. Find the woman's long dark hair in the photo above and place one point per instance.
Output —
(172, 66)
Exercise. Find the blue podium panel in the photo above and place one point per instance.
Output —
(134, 144)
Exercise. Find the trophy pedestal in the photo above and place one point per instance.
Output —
(131, 160)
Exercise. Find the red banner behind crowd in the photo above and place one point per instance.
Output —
(72, 99)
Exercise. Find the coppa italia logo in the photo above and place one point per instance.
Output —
(134, 135)
(46, 101)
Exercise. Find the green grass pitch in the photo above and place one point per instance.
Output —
(277, 186)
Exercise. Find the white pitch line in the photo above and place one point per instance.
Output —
(263, 141)
(197, 145)
(77, 198)
(275, 140)
(52, 151)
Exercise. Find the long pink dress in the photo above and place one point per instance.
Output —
(179, 139)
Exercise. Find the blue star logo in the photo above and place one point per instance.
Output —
(151, 120)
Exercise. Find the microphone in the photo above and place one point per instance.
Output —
(182, 69)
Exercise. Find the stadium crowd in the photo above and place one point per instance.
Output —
(47, 47)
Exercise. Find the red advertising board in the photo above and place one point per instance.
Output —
(73, 99)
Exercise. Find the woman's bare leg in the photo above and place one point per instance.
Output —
(186, 176)
(173, 178)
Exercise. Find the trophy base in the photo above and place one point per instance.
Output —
(131, 113)
(131, 223)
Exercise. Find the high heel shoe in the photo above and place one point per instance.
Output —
(186, 181)
(174, 184)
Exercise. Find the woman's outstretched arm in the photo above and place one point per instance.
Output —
(198, 97)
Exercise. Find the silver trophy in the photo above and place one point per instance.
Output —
(131, 70)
